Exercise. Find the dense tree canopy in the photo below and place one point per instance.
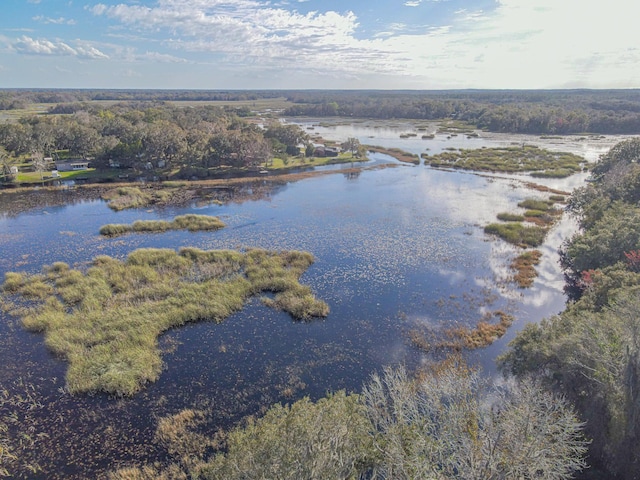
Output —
(591, 352)
(139, 135)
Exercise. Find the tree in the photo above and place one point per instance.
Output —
(38, 163)
(446, 423)
(7, 174)
(351, 145)
(323, 440)
(289, 135)
(450, 424)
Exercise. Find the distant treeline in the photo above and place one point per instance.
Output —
(18, 98)
(535, 111)
(514, 111)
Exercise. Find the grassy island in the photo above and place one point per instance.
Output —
(106, 321)
(540, 214)
(397, 153)
(538, 162)
(190, 222)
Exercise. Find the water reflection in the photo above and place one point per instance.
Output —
(395, 248)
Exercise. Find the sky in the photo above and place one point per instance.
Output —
(319, 44)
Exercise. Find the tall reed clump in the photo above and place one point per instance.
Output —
(191, 222)
(518, 234)
(106, 321)
(127, 197)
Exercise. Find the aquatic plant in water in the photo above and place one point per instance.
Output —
(191, 222)
(530, 159)
(106, 321)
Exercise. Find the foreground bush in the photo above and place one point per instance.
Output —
(447, 423)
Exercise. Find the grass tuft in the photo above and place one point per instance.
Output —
(191, 222)
(518, 234)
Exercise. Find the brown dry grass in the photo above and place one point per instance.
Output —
(524, 267)
(464, 338)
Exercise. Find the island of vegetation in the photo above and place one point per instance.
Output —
(190, 222)
(106, 321)
(529, 159)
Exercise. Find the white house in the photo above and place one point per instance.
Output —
(71, 166)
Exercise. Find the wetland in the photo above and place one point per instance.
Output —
(396, 253)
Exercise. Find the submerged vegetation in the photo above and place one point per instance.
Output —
(530, 159)
(446, 423)
(524, 267)
(106, 321)
(462, 337)
(190, 222)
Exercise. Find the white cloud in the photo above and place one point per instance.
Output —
(250, 31)
(55, 21)
(160, 58)
(519, 44)
(30, 46)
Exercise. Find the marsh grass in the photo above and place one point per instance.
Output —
(485, 332)
(510, 217)
(524, 267)
(122, 198)
(535, 204)
(397, 153)
(525, 159)
(461, 337)
(518, 234)
(190, 222)
(106, 321)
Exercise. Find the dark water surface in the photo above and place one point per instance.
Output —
(395, 248)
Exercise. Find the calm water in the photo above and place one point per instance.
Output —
(395, 248)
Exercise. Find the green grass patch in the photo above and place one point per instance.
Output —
(518, 234)
(535, 213)
(397, 153)
(293, 162)
(106, 321)
(89, 174)
(191, 222)
(510, 217)
(534, 204)
(525, 159)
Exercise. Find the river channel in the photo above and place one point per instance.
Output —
(397, 246)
